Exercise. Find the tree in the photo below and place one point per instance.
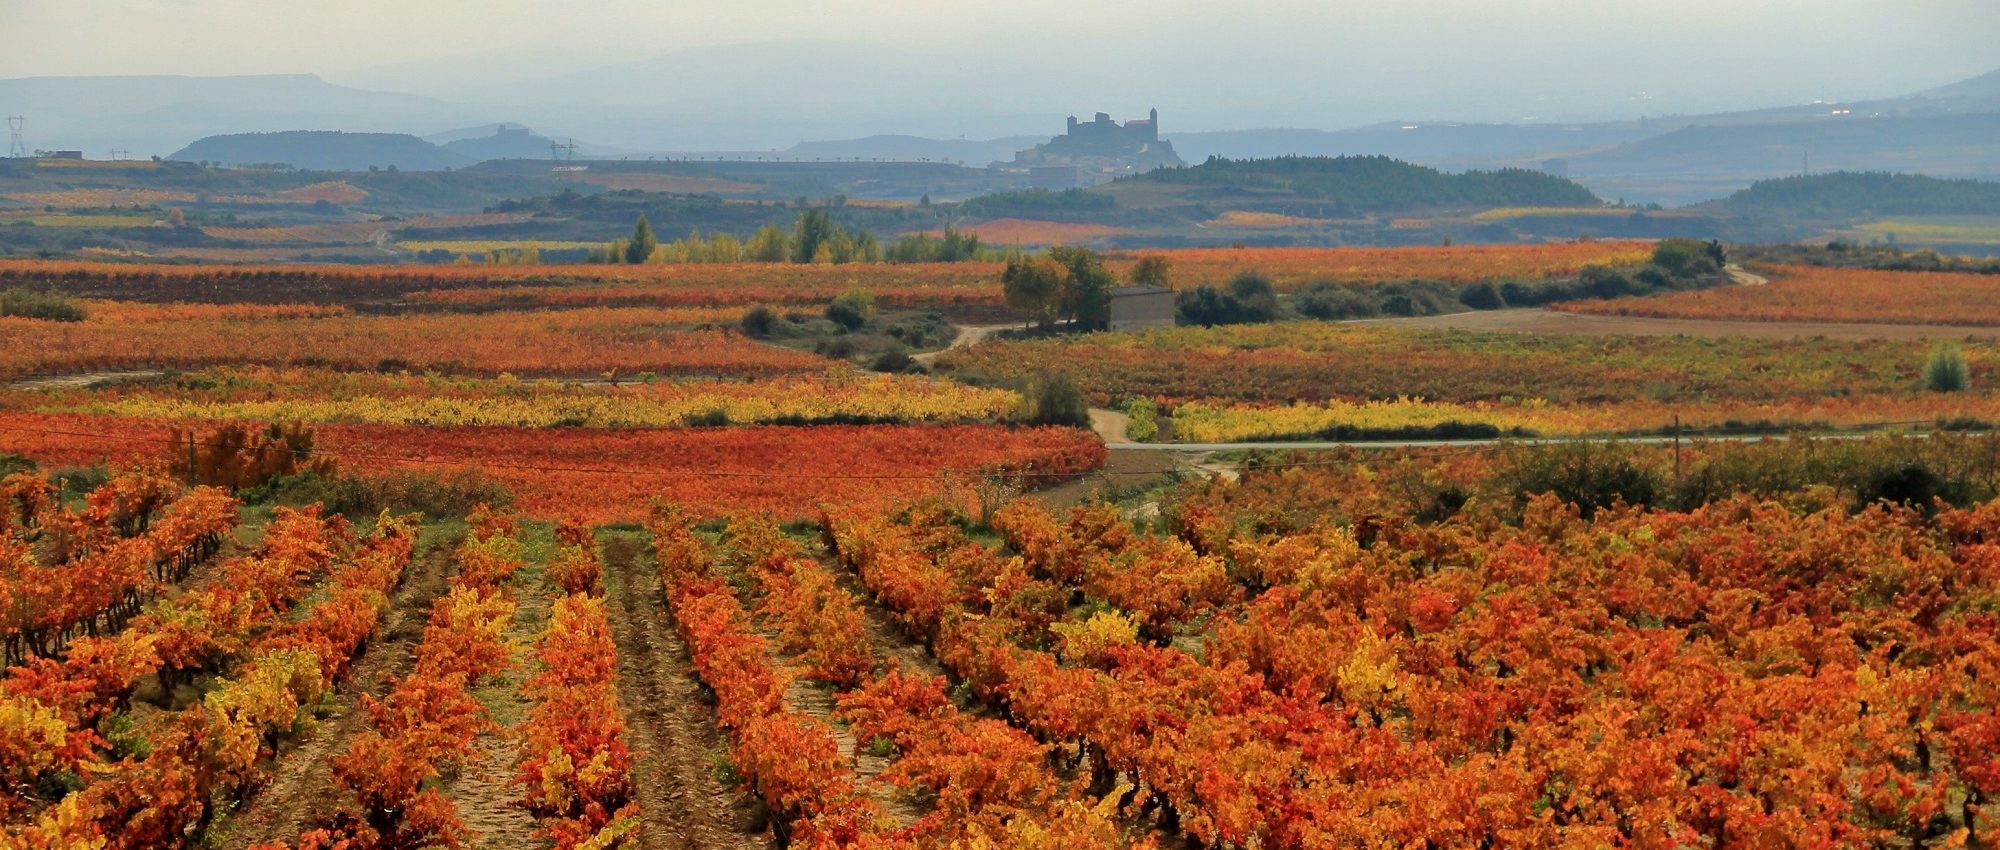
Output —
(814, 229)
(640, 248)
(767, 245)
(1151, 270)
(1035, 286)
(1086, 295)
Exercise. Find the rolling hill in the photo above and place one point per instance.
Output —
(324, 150)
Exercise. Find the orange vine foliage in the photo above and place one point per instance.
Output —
(576, 766)
(1722, 677)
(561, 473)
(426, 724)
(215, 750)
(1826, 294)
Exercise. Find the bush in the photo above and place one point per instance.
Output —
(1946, 372)
(838, 348)
(1910, 483)
(1330, 301)
(1482, 296)
(1249, 300)
(1054, 399)
(1601, 282)
(851, 311)
(1142, 423)
(1677, 256)
(760, 322)
(1592, 477)
(894, 362)
(40, 305)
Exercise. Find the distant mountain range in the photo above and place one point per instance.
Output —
(1947, 131)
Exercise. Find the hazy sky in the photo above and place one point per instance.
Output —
(1484, 59)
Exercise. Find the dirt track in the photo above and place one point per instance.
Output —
(301, 792)
(682, 805)
(1552, 322)
(967, 335)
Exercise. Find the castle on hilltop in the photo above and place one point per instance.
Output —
(1096, 151)
(1143, 132)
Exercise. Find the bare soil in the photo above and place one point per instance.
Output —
(301, 792)
(485, 791)
(1122, 469)
(668, 719)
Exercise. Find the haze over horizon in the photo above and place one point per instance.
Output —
(766, 73)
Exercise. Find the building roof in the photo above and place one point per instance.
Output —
(1127, 291)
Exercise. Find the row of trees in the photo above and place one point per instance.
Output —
(814, 238)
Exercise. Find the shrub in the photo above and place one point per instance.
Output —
(1142, 423)
(1329, 300)
(1677, 256)
(1946, 372)
(1601, 282)
(1589, 476)
(851, 311)
(893, 361)
(1054, 399)
(1482, 296)
(1250, 299)
(1910, 483)
(760, 322)
(41, 305)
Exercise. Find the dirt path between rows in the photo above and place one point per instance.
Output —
(669, 724)
(302, 794)
(487, 791)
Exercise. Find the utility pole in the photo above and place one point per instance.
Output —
(17, 147)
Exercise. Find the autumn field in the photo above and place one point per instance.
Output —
(596, 557)
(1820, 294)
(1301, 379)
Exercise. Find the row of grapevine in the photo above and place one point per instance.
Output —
(790, 760)
(1137, 714)
(425, 726)
(987, 782)
(1161, 582)
(99, 567)
(576, 766)
(216, 750)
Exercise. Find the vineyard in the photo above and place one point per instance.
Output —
(1291, 267)
(1820, 294)
(1301, 378)
(595, 342)
(607, 475)
(598, 557)
(319, 395)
